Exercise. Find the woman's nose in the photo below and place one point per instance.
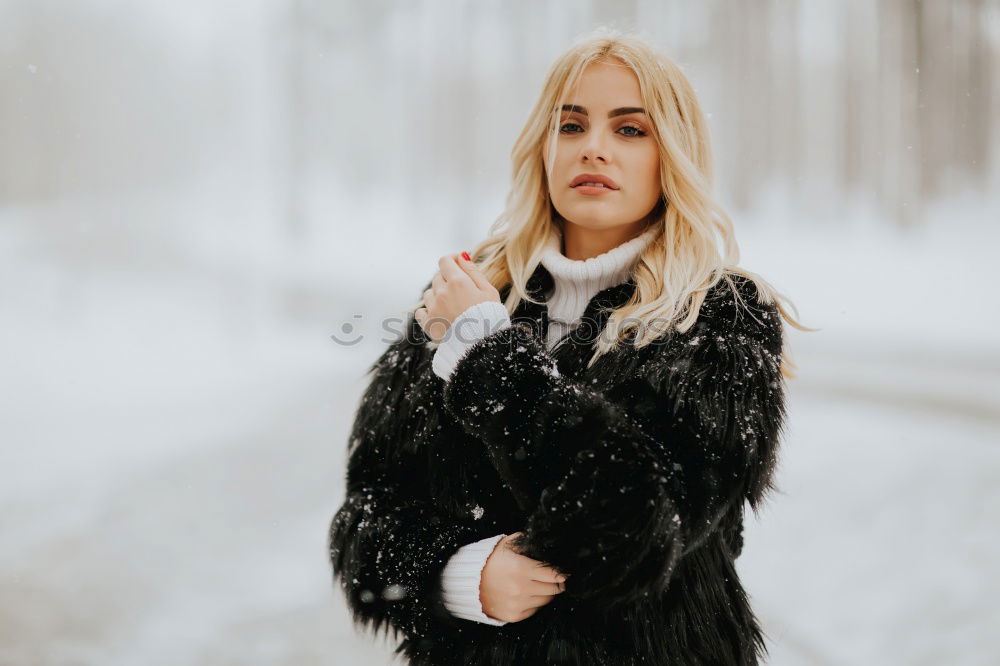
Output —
(595, 148)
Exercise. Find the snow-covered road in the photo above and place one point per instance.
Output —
(879, 548)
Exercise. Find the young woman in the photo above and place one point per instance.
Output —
(551, 465)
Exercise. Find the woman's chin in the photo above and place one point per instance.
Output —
(588, 220)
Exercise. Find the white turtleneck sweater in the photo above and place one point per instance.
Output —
(576, 282)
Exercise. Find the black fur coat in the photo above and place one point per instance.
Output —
(630, 475)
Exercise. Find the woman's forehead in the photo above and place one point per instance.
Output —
(603, 86)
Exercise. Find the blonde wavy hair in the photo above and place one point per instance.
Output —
(676, 270)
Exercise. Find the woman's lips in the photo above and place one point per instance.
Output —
(591, 190)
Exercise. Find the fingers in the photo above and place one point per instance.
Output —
(432, 326)
(538, 588)
(450, 269)
(533, 569)
(541, 573)
(455, 267)
(473, 272)
(420, 314)
(437, 281)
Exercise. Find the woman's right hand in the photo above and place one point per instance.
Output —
(513, 587)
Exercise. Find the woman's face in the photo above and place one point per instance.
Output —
(620, 147)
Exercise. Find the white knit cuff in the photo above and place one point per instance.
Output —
(461, 577)
(474, 324)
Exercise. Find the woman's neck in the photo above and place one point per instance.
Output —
(580, 243)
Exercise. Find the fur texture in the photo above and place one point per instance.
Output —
(630, 475)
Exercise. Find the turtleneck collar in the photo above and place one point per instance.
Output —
(576, 281)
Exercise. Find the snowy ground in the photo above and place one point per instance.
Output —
(167, 476)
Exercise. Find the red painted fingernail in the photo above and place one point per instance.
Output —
(465, 255)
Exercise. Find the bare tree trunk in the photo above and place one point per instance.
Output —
(784, 100)
(898, 81)
(862, 103)
(295, 119)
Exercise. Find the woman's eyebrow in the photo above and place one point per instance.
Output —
(620, 111)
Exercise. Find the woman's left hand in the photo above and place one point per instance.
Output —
(457, 286)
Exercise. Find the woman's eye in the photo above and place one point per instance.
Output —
(638, 132)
